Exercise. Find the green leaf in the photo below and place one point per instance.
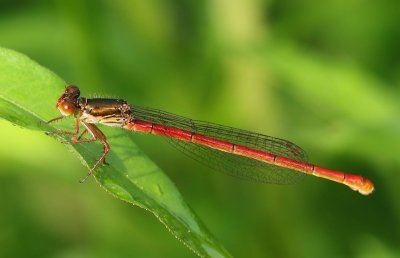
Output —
(27, 98)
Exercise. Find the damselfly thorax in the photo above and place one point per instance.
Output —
(110, 112)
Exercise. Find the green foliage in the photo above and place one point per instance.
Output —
(324, 75)
(28, 92)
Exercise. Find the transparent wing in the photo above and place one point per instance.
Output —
(228, 163)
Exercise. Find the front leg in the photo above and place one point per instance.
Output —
(76, 131)
(55, 119)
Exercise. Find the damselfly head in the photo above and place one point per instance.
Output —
(72, 91)
(67, 103)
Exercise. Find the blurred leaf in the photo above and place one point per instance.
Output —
(27, 97)
(339, 87)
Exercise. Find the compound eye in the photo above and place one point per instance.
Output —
(66, 108)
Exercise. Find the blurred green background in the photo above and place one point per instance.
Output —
(324, 75)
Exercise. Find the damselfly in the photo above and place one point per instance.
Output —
(236, 152)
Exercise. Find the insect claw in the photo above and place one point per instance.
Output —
(50, 133)
(86, 177)
(57, 132)
(66, 142)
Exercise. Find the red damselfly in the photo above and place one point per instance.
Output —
(236, 152)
